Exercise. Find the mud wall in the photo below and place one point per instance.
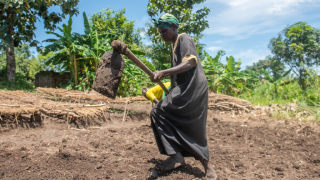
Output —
(51, 79)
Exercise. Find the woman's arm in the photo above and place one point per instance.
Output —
(183, 67)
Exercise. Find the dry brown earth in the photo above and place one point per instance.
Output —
(241, 147)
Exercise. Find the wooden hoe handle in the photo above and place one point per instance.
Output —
(122, 48)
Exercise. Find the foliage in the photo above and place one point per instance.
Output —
(82, 54)
(23, 14)
(309, 99)
(66, 49)
(17, 23)
(86, 80)
(273, 66)
(23, 60)
(115, 22)
(42, 66)
(190, 22)
(27, 65)
(133, 80)
(263, 94)
(21, 83)
(159, 53)
(297, 46)
(227, 79)
(276, 80)
(313, 92)
(91, 47)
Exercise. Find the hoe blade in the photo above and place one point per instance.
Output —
(108, 75)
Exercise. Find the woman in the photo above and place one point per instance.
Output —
(179, 120)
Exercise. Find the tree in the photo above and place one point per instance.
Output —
(276, 81)
(27, 65)
(297, 46)
(159, 53)
(93, 45)
(17, 23)
(24, 59)
(227, 78)
(273, 66)
(115, 22)
(191, 23)
(41, 65)
(66, 47)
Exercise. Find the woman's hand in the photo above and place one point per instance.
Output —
(183, 67)
(156, 101)
(158, 75)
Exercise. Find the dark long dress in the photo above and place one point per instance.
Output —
(179, 120)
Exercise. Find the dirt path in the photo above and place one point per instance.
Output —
(240, 147)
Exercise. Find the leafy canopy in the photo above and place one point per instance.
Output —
(190, 23)
(227, 78)
(27, 65)
(115, 22)
(298, 47)
(273, 66)
(21, 15)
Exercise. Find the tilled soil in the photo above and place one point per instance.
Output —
(241, 147)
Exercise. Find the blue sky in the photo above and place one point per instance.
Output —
(242, 28)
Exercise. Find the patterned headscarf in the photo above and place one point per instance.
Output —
(166, 20)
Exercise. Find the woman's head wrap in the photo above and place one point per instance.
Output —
(166, 20)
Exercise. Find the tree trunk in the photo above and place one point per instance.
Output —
(302, 81)
(11, 63)
(11, 60)
(75, 70)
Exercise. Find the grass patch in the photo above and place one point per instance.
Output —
(20, 84)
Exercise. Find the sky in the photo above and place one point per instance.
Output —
(242, 28)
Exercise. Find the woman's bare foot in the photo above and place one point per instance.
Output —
(209, 171)
(174, 161)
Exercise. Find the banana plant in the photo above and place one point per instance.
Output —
(213, 67)
(65, 44)
(227, 78)
(133, 80)
(92, 45)
(275, 81)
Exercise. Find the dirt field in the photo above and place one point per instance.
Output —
(241, 147)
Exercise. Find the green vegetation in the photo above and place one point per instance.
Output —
(297, 46)
(17, 24)
(227, 79)
(115, 22)
(192, 23)
(26, 67)
(289, 75)
(273, 66)
(66, 47)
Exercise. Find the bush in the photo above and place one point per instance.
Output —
(21, 82)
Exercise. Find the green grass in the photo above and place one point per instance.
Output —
(308, 101)
(20, 84)
(264, 95)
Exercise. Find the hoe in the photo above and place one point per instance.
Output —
(110, 69)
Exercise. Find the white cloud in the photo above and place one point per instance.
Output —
(218, 42)
(214, 48)
(243, 18)
(250, 56)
